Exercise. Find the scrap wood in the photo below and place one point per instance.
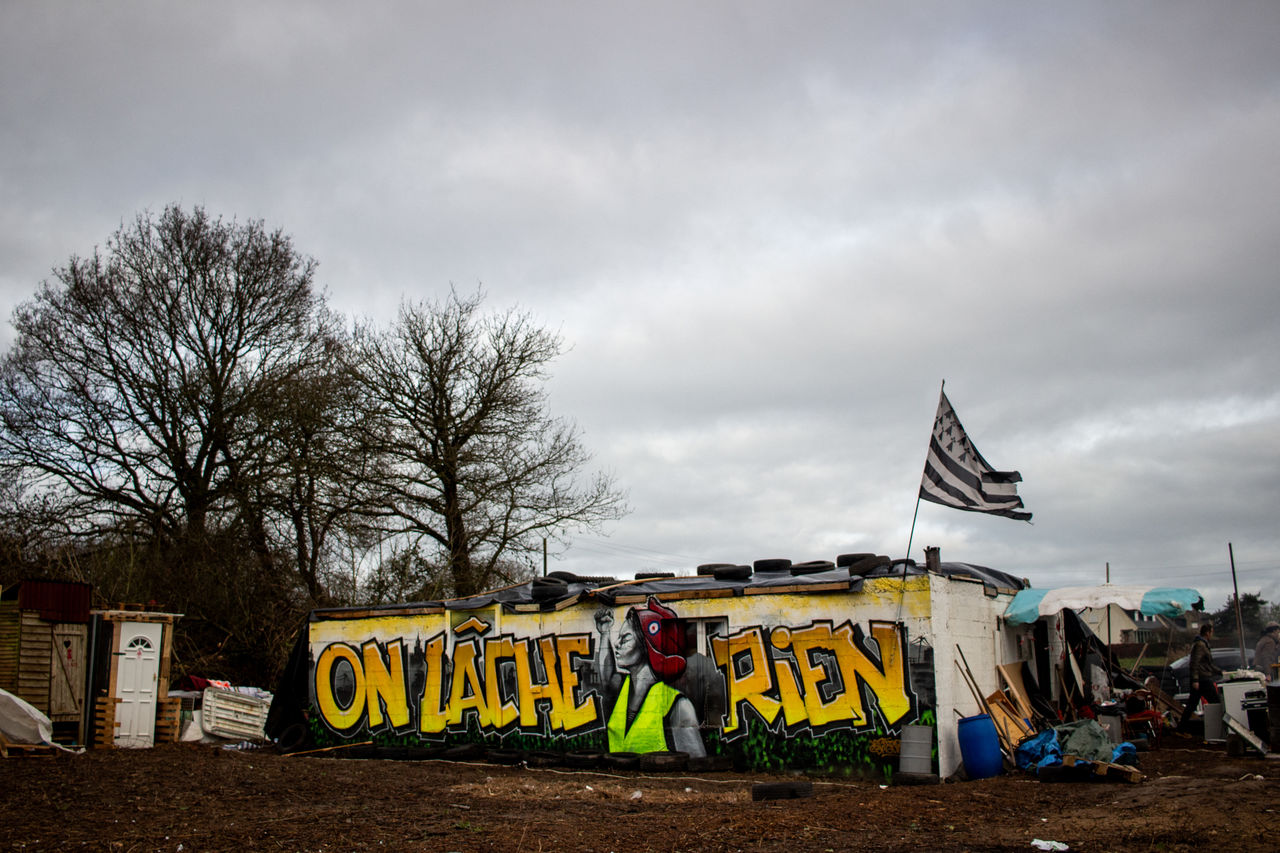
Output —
(969, 680)
(328, 748)
(9, 749)
(1012, 675)
(1006, 747)
(1105, 768)
(1163, 701)
(1141, 655)
(1009, 727)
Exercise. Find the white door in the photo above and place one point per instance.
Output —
(137, 671)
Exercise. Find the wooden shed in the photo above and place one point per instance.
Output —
(44, 630)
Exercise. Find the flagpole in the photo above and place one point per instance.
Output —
(902, 591)
(913, 525)
(911, 537)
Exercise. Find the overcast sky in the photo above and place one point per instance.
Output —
(767, 233)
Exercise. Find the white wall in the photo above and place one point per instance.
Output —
(964, 615)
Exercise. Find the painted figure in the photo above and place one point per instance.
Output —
(637, 670)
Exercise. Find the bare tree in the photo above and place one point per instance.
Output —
(144, 390)
(475, 464)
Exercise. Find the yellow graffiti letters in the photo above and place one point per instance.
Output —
(888, 680)
(384, 680)
(502, 713)
(466, 691)
(745, 688)
(812, 675)
(431, 717)
(340, 717)
(572, 715)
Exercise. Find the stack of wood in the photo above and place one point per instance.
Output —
(1010, 709)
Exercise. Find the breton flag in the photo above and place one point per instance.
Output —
(956, 475)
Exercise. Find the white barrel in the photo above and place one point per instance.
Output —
(916, 750)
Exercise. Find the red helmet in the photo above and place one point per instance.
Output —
(663, 637)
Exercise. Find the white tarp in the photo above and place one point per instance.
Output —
(1030, 604)
(23, 723)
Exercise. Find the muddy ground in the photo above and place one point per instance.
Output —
(186, 797)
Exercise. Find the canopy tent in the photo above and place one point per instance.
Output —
(1030, 604)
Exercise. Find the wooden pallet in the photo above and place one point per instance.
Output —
(168, 720)
(104, 722)
(9, 749)
(1161, 700)
(1123, 772)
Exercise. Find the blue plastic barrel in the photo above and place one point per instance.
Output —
(980, 747)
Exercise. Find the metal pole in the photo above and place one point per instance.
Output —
(1110, 655)
(1239, 617)
(941, 390)
(913, 526)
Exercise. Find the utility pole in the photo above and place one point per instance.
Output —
(1239, 617)
(1110, 654)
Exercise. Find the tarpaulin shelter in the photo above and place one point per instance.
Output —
(1069, 657)
(1030, 604)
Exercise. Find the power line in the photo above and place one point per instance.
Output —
(637, 552)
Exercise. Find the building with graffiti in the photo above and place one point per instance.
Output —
(813, 665)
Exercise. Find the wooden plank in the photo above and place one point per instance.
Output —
(9, 749)
(1009, 726)
(1012, 675)
(673, 596)
(835, 586)
(1244, 732)
(1162, 700)
(1123, 772)
(370, 614)
(692, 593)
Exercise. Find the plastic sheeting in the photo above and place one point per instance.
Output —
(606, 590)
(21, 722)
(1030, 604)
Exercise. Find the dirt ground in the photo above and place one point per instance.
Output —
(187, 797)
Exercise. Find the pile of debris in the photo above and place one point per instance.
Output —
(1099, 741)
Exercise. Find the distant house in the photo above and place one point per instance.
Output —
(1111, 624)
(1130, 626)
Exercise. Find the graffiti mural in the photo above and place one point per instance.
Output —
(816, 677)
(645, 711)
(636, 679)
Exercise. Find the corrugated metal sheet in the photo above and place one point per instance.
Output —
(56, 601)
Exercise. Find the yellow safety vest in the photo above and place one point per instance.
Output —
(647, 732)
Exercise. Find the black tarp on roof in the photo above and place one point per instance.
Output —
(563, 589)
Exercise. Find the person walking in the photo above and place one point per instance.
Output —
(1202, 671)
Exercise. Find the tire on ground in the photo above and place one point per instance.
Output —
(293, 738)
(781, 790)
(664, 761)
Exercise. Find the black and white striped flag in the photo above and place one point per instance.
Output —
(956, 475)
